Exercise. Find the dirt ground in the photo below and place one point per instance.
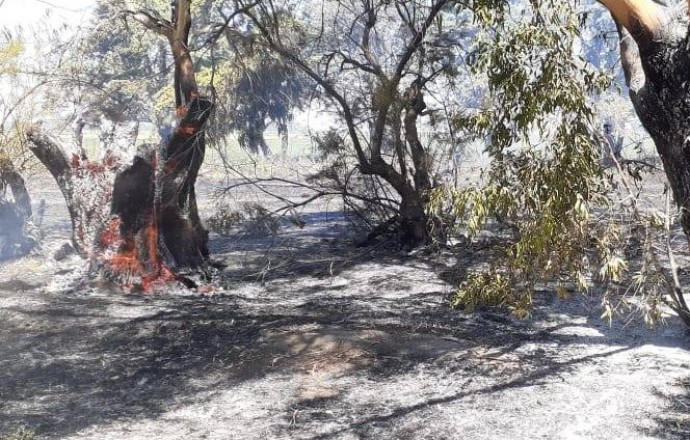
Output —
(303, 336)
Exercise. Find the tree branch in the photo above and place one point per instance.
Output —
(413, 46)
(55, 159)
(630, 60)
(642, 18)
(392, 84)
(321, 81)
(150, 21)
(185, 80)
(221, 28)
(366, 38)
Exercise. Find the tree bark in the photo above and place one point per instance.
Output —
(65, 172)
(138, 222)
(413, 103)
(657, 64)
(641, 18)
(183, 233)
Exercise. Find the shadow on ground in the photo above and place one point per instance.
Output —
(73, 361)
(673, 419)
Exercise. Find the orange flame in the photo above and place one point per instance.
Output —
(187, 130)
(131, 261)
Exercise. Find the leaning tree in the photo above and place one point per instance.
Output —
(134, 215)
(375, 64)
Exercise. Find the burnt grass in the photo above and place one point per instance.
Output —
(303, 335)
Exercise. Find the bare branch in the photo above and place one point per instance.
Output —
(418, 38)
(321, 81)
(366, 38)
(155, 23)
(221, 28)
(346, 59)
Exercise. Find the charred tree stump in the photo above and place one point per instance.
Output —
(137, 220)
(137, 223)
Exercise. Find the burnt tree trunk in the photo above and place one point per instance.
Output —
(656, 59)
(655, 54)
(136, 219)
(184, 235)
(15, 213)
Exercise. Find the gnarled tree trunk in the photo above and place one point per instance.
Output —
(137, 220)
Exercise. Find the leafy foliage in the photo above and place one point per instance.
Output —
(567, 225)
(13, 151)
(124, 65)
(546, 173)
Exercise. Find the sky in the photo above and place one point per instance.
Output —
(28, 12)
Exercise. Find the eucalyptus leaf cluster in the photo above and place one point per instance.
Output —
(546, 174)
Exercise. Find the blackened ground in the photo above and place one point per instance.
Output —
(304, 336)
